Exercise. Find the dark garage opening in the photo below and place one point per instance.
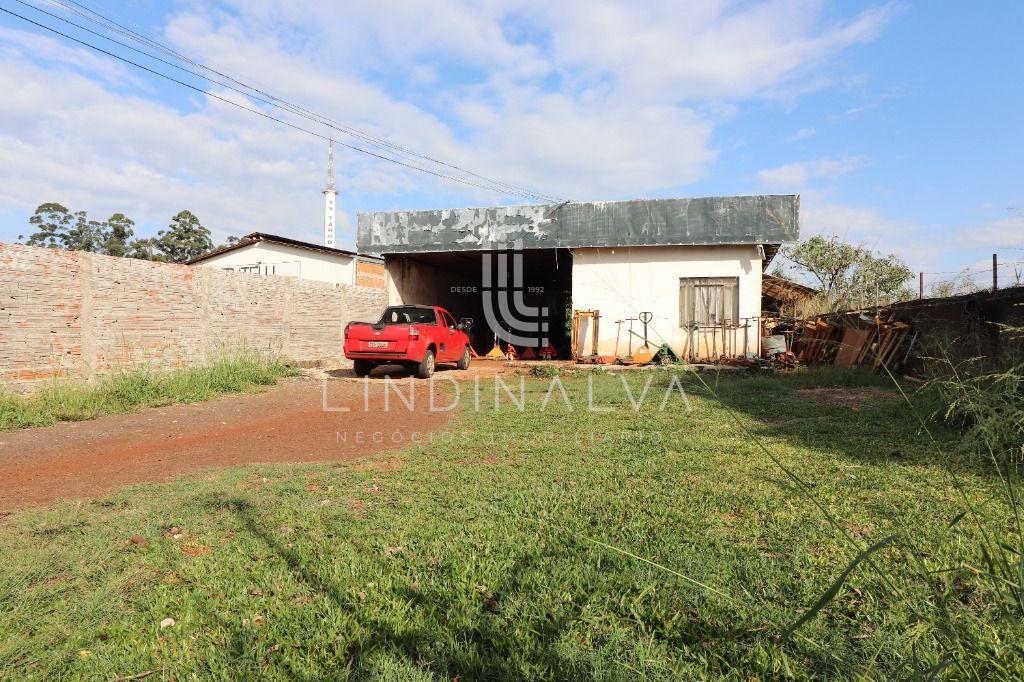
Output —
(456, 280)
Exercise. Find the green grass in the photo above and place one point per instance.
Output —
(502, 550)
(128, 391)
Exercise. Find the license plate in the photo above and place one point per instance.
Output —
(377, 344)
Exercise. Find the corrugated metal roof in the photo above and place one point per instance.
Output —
(769, 219)
(783, 289)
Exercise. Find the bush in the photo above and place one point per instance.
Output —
(985, 404)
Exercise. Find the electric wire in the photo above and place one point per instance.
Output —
(494, 185)
(127, 32)
(250, 109)
(486, 183)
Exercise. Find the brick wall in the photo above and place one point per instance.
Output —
(77, 315)
(370, 274)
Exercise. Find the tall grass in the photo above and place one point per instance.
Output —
(985, 400)
(972, 606)
(229, 372)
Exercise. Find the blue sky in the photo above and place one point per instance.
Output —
(898, 123)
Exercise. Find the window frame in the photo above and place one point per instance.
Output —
(688, 286)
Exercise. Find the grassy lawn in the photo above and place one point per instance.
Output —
(487, 552)
(129, 391)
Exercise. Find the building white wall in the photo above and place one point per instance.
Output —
(289, 261)
(622, 282)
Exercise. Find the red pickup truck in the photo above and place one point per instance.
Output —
(417, 336)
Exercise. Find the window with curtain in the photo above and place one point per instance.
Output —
(708, 300)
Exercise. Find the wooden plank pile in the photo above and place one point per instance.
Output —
(853, 340)
(817, 342)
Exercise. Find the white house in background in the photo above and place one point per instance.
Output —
(268, 254)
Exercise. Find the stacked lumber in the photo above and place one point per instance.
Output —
(853, 341)
(890, 339)
(817, 342)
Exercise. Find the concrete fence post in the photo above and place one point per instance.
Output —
(286, 320)
(206, 341)
(86, 328)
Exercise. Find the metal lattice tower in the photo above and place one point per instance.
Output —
(330, 198)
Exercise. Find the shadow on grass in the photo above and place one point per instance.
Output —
(491, 658)
(487, 652)
(855, 413)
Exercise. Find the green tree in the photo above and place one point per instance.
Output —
(184, 239)
(848, 275)
(144, 248)
(117, 235)
(84, 234)
(57, 227)
(51, 222)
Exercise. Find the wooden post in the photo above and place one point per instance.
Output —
(920, 285)
(995, 273)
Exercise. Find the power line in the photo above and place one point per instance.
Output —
(491, 184)
(486, 183)
(242, 106)
(114, 26)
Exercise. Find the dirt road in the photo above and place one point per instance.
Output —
(286, 423)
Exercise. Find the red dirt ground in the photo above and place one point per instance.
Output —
(286, 423)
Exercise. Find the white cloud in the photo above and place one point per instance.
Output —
(670, 50)
(795, 177)
(803, 134)
(861, 224)
(821, 213)
(583, 99)
(1005, 233)
(75, 142)
(66, 56)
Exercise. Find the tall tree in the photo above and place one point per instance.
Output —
(84, 234)
(117, 235)
(144, 248)
(848, 275)
(184, 239)
(57, 227)
(51, 222)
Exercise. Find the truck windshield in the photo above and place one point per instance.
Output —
(408, 315)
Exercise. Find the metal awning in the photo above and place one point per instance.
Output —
(765, 219)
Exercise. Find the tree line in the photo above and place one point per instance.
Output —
(55, 226)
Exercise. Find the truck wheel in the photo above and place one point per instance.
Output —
(464, 360)
(361, 368)
(425, 369)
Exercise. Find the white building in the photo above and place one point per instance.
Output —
(268, 254)
(693, 267)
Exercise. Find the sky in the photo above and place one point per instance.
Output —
(898, 123)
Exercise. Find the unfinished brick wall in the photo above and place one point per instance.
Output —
(77, 315)
(370, 274)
